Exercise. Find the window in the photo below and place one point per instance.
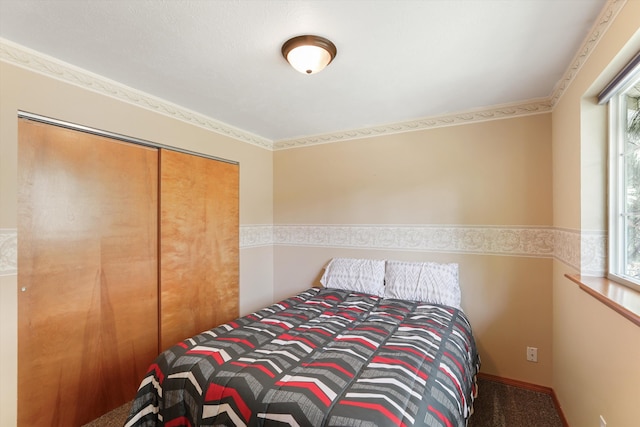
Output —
(624, 178)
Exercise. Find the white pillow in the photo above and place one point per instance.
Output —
(423, 281)
(359, 275)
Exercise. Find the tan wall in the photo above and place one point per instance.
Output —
(595, 350)
(35, 93)
(507, 299)
(543, 170)
(488, 174)
(491, 173)
(595, 358)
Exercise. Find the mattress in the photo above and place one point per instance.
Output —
(325, 357)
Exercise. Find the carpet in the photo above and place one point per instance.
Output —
(502, 405)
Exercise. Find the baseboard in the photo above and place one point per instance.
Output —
(556, 402)
(528, 386)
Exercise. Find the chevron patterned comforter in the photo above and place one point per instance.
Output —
(324, 357)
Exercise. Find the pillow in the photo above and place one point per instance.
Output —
(423, 281)
(359, 275)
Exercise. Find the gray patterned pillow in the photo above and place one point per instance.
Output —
(359, 275)
(429, 282)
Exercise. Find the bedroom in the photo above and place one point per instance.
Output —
(514, 301)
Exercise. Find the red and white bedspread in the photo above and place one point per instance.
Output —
(325, 357)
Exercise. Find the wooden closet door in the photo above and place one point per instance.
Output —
(87, 277)
(199, 238)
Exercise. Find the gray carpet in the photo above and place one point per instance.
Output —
(497, 405)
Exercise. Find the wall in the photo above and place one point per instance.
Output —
(595, 350)
(483, 195)
(476, 194)
(36, 93)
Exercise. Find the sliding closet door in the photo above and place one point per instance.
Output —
(87, 277)
(198, 245)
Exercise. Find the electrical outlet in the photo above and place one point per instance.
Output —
(532, 354)
(603, 423)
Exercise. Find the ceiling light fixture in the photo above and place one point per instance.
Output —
(309, 54)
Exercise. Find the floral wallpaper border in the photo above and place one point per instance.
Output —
(8, 251)
(430, 238)
(583, 251)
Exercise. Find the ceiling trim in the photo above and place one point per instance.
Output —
(525, 108)
(530, 107)
(32, 60)
(600, 27)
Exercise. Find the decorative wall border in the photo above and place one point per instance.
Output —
(35, 61)
(583, 251)
(514, 241)
(8, 251)
(567, 247)
(593, 253)
(252, 236)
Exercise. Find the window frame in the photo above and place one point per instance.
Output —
(617, 197)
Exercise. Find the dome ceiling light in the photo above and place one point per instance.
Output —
(309, 54)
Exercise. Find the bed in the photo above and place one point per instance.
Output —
(332, 356)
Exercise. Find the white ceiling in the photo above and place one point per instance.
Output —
(397, 60)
